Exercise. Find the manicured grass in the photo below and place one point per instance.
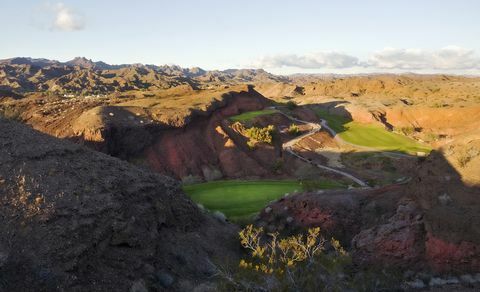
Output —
(336, 122)
(370, 135)
(253, 114)
(240, 200)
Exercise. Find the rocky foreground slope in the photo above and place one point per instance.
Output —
(72, 219)
(429, 224)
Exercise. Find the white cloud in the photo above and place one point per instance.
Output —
(309, 61)
(448, 59)
(66, 19)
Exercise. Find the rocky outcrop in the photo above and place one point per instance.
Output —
(340, 213)
(72, 219)
(443, 255)
(206, 141)
(400, 242)
(429, 224)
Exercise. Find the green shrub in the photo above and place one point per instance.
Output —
(300, 262)
(463, 159)
(430, 137)
(277, 166)
(10, 113)
(291, 105)
(261, 134)
(293, 130)
(409, 130)
(251, 144)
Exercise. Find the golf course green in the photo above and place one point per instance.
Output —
(370, 135)
(240, 200)
(253, 114)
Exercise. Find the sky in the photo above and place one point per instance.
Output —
(283, 37)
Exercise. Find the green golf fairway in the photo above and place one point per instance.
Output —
(371, 135)
(250, 115)
(242, 199)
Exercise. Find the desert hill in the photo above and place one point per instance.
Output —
(75, 219)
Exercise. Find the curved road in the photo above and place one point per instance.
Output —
(288, 146)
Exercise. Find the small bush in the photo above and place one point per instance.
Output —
(10, 113)
(291, 105)
(430, 137)
(261, 134)
(407, 130)
(466, 156)
(191, 179)
(277, 166)
(251, 144)
(290, 263)
(293, 130)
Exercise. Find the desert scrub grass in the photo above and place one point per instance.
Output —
(10, 113)
(291, 105)
(466, 156)
(432, 137)
(293, 130)
(293, 263)
(409, 130)
(256, 134)
(300, 262)
(261, 134)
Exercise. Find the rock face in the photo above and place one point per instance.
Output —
(400, 241)
(77, 220)
(339, 213)
(207, 144)
(429, 224)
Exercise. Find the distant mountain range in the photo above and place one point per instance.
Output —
(83, 76)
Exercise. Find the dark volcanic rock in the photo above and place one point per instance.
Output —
(72, 219)
(399, 242)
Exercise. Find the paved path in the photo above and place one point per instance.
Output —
(288, 146)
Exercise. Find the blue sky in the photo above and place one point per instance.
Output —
(281, 36)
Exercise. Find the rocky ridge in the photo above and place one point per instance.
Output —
(75, 219)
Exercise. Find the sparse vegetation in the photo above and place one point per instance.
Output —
(10, 113)
(407, 131)
(277, 166)
(431, 137)
(291, 105)
(293, 130)
(302, 261)
(261, 134)
(466, 156)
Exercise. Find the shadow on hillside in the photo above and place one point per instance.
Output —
(334, 113)
(449, 205)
